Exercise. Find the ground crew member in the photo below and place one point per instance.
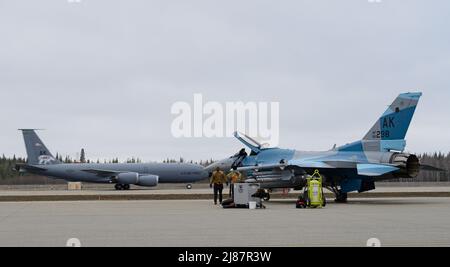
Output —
(218, 178)
(233, 177)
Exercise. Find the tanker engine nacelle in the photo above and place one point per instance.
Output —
(136, 179)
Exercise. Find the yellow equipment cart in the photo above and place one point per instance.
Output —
(314, 191)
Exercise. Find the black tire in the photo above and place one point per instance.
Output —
(118, 187)
(306, 198)
(126, 187)
(267, 198)
(341, 198)
(189, 186)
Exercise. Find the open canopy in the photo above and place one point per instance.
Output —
(251, 143)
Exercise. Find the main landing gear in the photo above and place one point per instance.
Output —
(340, 196)
(122, 186)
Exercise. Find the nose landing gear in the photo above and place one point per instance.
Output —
(262, 194)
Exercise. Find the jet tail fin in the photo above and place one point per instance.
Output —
(37, 152)
(395, 121)
(389, 131)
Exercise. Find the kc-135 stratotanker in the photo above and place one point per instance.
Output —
(41, 162)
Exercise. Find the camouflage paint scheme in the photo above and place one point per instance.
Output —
(352, 167)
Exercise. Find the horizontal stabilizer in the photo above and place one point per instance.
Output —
(375, 169)
(431, 168)
(20, 167)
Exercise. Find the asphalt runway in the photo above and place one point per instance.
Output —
(46, 193)
(186, 223)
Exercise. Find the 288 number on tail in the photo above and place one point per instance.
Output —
(381, 134)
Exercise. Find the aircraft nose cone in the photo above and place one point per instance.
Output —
(204, 175)
(223, 165)
(211, 168)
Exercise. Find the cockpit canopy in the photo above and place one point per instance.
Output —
(251, 143)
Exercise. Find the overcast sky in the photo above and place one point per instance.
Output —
(103, 74)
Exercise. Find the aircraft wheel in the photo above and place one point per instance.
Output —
(121, 186)
(188, 186)
(341, 198)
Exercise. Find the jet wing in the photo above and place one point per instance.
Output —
(102, 173)
(311, 164)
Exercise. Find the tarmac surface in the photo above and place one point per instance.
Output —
(177, 192)
(187, 223)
